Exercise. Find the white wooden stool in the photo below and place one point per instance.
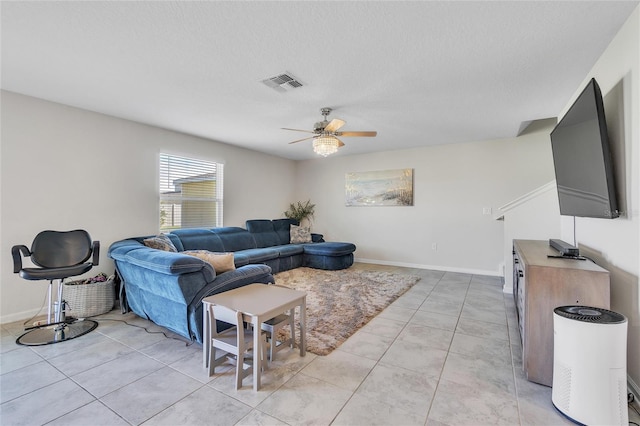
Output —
(272, 327)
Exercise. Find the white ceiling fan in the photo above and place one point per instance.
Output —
(325, 134)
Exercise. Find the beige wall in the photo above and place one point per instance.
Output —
(452, 186)
(65, 168)
(614, 243)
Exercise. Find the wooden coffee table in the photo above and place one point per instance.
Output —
(258, 303)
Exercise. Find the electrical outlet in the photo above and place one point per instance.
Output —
(486, 210)
(434, 246)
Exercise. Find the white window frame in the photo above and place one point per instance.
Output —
(186, 187)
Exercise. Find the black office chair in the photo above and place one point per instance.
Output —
(58, 255)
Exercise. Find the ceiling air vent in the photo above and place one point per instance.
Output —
(283, 82)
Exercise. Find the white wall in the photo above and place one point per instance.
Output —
(535, 216)
(452, 185)
(64, 168)
(614, 243)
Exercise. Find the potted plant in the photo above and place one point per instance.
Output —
(301, 211)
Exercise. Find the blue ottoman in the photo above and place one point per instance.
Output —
(328, 255)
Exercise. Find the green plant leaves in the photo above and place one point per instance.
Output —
(300, 211)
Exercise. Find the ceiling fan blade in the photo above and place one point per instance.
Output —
(341, 144)
(303, 139)
(367, 134)
(297, 130)
(334, 125)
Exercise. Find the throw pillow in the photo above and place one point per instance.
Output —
(300, 234)
(221, 262)
(160, 242)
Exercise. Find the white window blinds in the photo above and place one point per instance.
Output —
(190, 193)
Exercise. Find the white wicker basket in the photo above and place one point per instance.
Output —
(87, 300)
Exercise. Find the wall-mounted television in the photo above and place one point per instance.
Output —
(582, 159)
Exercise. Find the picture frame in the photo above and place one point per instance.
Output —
(379, 188)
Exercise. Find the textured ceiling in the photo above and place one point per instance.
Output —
(420, 73)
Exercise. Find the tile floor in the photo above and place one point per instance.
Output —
(447, 352)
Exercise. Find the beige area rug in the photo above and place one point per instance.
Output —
(340, 302)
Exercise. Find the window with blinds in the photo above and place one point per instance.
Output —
(190, 193)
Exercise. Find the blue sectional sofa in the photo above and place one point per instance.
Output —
(168, 287)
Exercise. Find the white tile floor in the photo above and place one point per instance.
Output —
(445, 353)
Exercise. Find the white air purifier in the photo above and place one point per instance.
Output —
(590, 365)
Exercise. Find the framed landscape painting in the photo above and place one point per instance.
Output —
(379, 188)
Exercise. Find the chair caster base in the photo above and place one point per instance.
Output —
(47, 334)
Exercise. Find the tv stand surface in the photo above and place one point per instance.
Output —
(543, 281)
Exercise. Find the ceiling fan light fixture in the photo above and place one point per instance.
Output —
(325, 145)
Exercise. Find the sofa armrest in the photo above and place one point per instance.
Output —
(165, 262)
(317, 238)
(239, 277)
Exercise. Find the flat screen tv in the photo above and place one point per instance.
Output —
(582, 159)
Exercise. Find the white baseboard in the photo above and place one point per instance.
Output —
(433, 267)
(21, 316)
